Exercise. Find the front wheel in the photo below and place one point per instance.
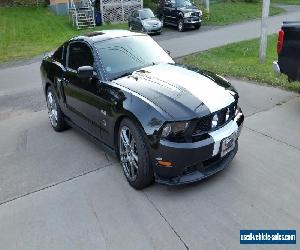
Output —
(197, 26)
(180, 25)
(134, 155)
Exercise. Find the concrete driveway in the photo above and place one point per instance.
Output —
(62, 191)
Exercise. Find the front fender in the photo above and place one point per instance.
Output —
(126, 103)
(150, 116)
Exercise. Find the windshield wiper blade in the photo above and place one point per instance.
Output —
(122, 75)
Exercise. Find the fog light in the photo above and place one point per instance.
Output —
(215, 121)
(227, 114)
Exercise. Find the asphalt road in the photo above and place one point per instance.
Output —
(61, 191)
(205, 38)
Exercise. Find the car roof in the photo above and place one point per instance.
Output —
(105, 35)
(143, 9)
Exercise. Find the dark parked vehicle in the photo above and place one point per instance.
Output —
(180, 13)
(288, 49)
(145, 21)
(166, 122)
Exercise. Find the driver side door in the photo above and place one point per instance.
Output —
(81, 94)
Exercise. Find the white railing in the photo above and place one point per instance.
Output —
(81, 13)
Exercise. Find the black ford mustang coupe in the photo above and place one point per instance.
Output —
(166, 122)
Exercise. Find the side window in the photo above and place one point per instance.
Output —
(79, 55)
(64, 56)
(135, 14)
(58, 54)
(170, 3)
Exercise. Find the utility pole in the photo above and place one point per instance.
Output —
(207, 5)
(264, 33)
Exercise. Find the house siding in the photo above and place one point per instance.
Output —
(59, 7)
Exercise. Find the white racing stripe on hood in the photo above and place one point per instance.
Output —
(206, 90)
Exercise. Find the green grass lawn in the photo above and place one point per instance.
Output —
(26, 32)
(241, 60)
(293, 2)
(231, 12)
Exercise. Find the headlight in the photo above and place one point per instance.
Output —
(174, 128)
(146, 25)
(188, 14)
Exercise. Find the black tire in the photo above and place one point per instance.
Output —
(144, 175)
(180, 25)
(60, 124)
(197, 26)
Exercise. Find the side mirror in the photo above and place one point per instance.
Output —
(85, 72)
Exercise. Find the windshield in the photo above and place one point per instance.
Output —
(145, 14)
(183, 3)
(123, 55)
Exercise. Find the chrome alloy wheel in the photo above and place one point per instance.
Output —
(128, 153)
(52, 109)
(180, 25)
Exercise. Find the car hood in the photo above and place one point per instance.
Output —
(182, 92)
(151, 21)
(188, 9)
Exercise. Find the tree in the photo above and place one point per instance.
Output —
(207, 5)
(264, 33)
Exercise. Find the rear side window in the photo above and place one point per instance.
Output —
(80, 55)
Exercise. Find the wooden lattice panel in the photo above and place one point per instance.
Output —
(119, 10)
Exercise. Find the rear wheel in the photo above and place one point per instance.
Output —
(180, 25)
(130, 27)
(134, 155)
(55, 114)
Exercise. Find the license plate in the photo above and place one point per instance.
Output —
(228, 144)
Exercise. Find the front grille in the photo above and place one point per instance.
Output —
(204, 124)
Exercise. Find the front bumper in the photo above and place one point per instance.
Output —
(201, 171)
(189, 21)
(276, 67)
(152, 30)
(196, 160)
